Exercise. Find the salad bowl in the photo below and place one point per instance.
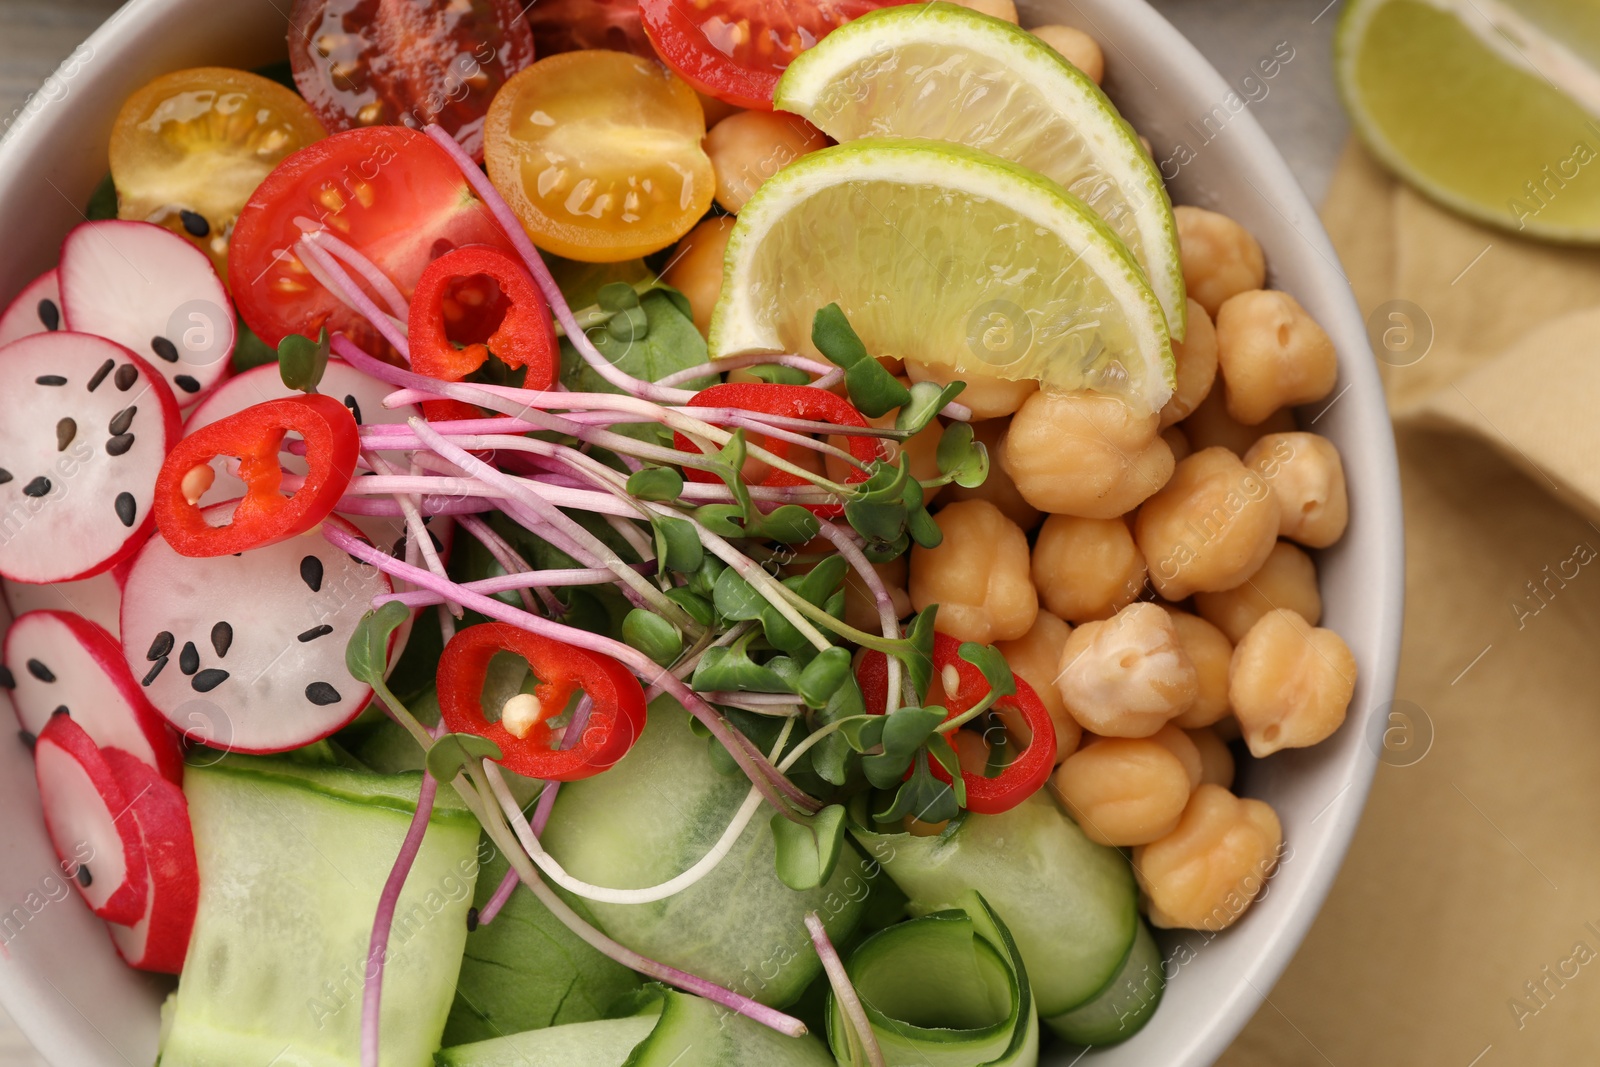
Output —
(59, 976)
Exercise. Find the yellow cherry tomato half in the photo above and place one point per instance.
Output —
(599, 155)
(189, 148)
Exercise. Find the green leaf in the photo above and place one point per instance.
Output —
(961, 457)
(678, 544)
(808, 850)
(366, 657)
(836, 339)
(989, 660)
(630, 325)
(698, 607)
(778, 374)
(886, 551)
(450, 754)
(823, 676)
(704, 580)
(724, 520)
(919, 524)
(250, 351)
(942, 750)
(736, 599)
(732, 670)
(648, 632)
(617, 296)
(922, 796)
(905, 731)
(820, 582)
(917, 651)
(656, 483)
(791, 524)
(873, 390)
(302, 361)
(927, 400)
(103, 203)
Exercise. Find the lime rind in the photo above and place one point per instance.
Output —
(1083, 142)
(1094, 323)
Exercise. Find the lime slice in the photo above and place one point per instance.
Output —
(948, 73)
(949, 256)
(1491, 107)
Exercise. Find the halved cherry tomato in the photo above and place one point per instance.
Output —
(735, 50)
(616, 718)
(381, 63)
(791, 401)
(190, 147)
(264, 516)
(599, 155)
(1023, 776)
(393, 194)
(573, 25)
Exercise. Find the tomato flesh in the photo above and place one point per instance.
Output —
(735, 50)
(573, 25)
(390, 192)
(407, 62)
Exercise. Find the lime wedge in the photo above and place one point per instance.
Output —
(1491, 107)
(949, 256)
(948, 73)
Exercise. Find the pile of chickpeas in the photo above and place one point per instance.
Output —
(1148, 575)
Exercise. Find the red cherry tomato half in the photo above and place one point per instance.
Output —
(264, 516)
(391, 193)
(735, 50)
(380, 63)
(578, 25)
(616, 718)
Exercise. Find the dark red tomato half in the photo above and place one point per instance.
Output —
(391, 193)
(735, 50)
(577, 25)
(407, 62)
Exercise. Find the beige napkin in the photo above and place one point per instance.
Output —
(1464, 929)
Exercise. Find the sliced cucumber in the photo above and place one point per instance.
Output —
(1123, 1007)
(604, 1043)
(1070, 903)
(653, 816)
(292, 859)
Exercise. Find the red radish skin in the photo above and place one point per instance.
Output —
(37, 309)
(159, 941)
(84, 806)
(87, 426)
(98, 599)
(153, 292)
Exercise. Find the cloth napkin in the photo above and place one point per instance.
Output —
(1464, 928)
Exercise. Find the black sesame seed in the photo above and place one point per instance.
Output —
(322, 694)
(62, 709)
(49, 379)
(195, 223)
(126, 375)
(100, 375)
(472, 919)
(28, 738)
(164, 348)
(66, 430)
(155, 671)
(355, 408)
(161, 646)
(119, 445)
(186, 383)
(49, 314)
(208, 679)
(314, 633)
(127, 509)
(5, 476)
(221, 638)
(85, 879)
(40, 486)
(122, 420)
(311, 573)
(7, 679)
(40, 671)
(189, 658)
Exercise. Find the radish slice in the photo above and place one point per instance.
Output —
(160, 939)
(37, 309)
(59, 662)
(90, 823)
(98, 599)
(247, 652)
(85, 427)
(150, 290)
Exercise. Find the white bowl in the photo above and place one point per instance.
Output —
(61, 981)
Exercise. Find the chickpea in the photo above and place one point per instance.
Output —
(716, 110)
(1000, 9)
(1290, 683)
(1128, 675)
(1219, 257)
(696, 268)
(1216, 759)
(1205, 874)
(1211, 652)
(1179, 743)
(748, 147)
(1196, 359)
(1084, 454)
(1178, 441)
(1210, 426)
(1210, 527)
(998, 489)
(978, 576)
(1124, 790)
(1077, 48)
(1288, 579)
(1307, 475)
(1272, 355)
(860, 610)
(1087, 569)
(1227, 730)
(987, 396)
(1035, 657)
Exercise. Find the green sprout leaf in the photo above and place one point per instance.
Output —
(917, 651)
(366, 657)
(989, 660)
(820, 582)
(617, 297)
(678, 544)
(736, 599)
(873, 390)
(451, 753)
(648, 632)
(823, 677)
(732, 670)
(302, 361)
(698, 607)
(778, 374)
(791, 524)
(919, 524)
(942, 750)
(836, 339)
(727, 463)
(629, 325)
(724, 520)
(656, 483)
(927, 400)
(808, 850)
(922, 796)
(961, 458)
(908, 728)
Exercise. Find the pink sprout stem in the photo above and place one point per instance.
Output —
(378, 946)
(368, 270)
(845, 992)
(353, 294)
(513, 563)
